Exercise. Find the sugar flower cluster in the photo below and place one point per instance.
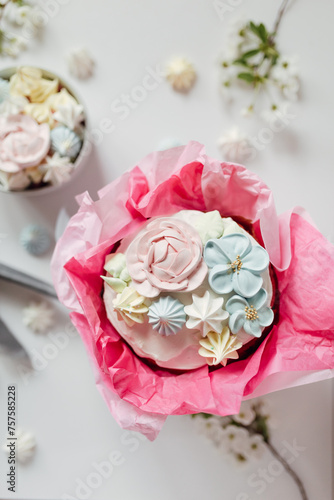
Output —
(193, 273)
(41, 131)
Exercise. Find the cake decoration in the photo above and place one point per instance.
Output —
(81, 63)
(131, 306)
(235, 265)
(4, 90)
(65, 142)
(250, 314)
(24, 143)
(181, 74)
(29, 82)
(209, 225)
(235, 145)
(56, 169)
(13, 105)
(40, 112)
(35, 239)
(71, 115)
(217, 348)
(167, 315)
(168, 142)
(40, 121)
(166, 256)
(190, 313)
(14, 182)
(144, 376)
(25, 446)
(119, 277)
(38, 316)
(206, 313)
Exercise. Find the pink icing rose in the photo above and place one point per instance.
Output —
(166, 257)
(23, 142)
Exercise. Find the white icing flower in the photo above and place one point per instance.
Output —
(168, 143)
(234, 145)
(181, 74)
(209, 225)
(28, 82)
(246, 414)
(39, 112)
(14, 182)
(80, 63)
(25, 446)
(70, 115)
(4, 90)
(39, 317)
(206, 313)
(13, 105)
(131, 306)
(119, 275)
(217, 348)
(62, 98)
(35, 174)
(57, 169)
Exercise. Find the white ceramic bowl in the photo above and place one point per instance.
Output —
(79, 162)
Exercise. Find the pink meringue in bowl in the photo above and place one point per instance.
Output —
(24, 143)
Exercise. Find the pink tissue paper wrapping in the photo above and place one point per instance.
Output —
(139, 397)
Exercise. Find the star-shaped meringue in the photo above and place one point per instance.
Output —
(206, 313)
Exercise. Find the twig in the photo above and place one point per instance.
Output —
(279, 16)
(288, 469)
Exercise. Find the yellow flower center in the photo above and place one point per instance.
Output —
(251, 313)
(236, 265)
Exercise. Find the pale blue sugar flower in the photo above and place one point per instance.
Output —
(236, 265)
(250, 314)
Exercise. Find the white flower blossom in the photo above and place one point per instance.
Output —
(233, 438)
(246, 414)
(254, 447)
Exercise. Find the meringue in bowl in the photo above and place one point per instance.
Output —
(43, 131)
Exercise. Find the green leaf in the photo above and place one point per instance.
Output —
(260, 31)
(254, 29)
(247, 77)
(263, 32)
(261, 427)
(241, 62)
(250, 53)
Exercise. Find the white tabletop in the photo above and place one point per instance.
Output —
(60, 403)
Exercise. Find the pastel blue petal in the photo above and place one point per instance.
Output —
(220, 280)
(246, 284)
(259, 299)
(214, 255)
(266, 316)
(236, 303)
(257, 260)
(237, 321)
(235, 244)
(253, 328)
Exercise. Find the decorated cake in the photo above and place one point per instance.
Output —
(189, 290)
(206, 294)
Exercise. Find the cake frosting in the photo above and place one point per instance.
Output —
(188, 290)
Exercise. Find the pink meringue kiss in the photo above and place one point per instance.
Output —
(23, 142)
(166, 256)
